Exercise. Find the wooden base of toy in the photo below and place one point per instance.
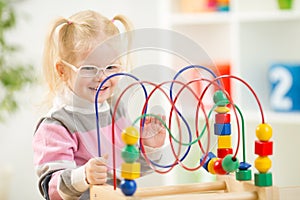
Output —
(226, 187)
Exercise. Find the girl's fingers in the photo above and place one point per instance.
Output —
(97, 178)
(96, 170)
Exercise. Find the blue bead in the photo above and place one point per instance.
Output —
(223, 129)
(209, 156)
(128, 187)
(244, 166)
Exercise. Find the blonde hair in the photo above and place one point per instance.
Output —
(71, 39)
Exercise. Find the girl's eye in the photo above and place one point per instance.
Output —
(112, 67)
(89, 68)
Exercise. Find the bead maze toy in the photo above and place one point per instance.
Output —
(234, 177)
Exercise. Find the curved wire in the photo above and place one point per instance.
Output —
(97, 120)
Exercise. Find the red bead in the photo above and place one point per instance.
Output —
(263, 148)
(224, 152)
(218, 167)
(222, 118)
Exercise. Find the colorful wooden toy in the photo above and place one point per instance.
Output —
(225, 165)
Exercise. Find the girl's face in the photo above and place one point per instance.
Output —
(88, 75)
(86, 87)
(92, 71)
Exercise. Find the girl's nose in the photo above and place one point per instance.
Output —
(100, 75)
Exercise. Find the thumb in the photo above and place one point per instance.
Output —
(105, 156)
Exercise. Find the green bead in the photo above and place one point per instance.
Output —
(130, 153)
(263, 179)
(243, 175)
(220, 98)
(230, 164)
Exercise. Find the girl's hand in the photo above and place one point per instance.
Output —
(154, 133)
(96, 171)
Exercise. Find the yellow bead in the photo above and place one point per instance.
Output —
(210, 165)
(263, 164)
(222, 109)
(264, 132)
(224, 142)
(130, 135)
(130, 171)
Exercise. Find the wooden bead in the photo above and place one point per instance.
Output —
(263, 148)
(130, 153)
(128, 187)
(263, 164)
(130, 135)
(209, 156)
(218, 167)
(220, 98)
(264, 132)
(224, 142)
(222, 129)
(222, 109)
(230, 164)
(243, 175)
(223, 152)
(130, 171)
(222, 118)
(263, 179)
(244, 166)
(210, 166)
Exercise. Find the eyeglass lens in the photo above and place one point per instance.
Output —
(91, 71)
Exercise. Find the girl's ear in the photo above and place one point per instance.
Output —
(61, 71)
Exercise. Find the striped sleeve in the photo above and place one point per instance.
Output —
(54, 149)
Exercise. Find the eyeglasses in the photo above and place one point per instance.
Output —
(92, 70)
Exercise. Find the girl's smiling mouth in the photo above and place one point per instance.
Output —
(101, 89)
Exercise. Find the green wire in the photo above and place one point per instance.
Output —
(203, 130)
(243, 132)
(169, 131)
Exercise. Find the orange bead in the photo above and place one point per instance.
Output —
(264, 132)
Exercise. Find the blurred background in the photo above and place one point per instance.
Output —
(245, 38)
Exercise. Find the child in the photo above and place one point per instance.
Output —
(65, 141)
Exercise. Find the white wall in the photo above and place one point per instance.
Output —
(33, 19)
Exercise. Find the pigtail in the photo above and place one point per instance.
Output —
(125, 21)
(50, 56)
(128, 28)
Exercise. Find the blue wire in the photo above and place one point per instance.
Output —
(96, 103)
(181, 116)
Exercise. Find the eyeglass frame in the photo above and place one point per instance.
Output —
(77, 69)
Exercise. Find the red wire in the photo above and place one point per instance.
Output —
(113, 131)
(177, 160)
(252, 91)
(173, 104)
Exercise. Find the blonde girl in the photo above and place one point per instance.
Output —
(65, 143)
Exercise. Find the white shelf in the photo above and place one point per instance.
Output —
(227, 17)
(200, 18)
(267, 16)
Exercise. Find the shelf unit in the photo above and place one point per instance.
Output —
(252, 36)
